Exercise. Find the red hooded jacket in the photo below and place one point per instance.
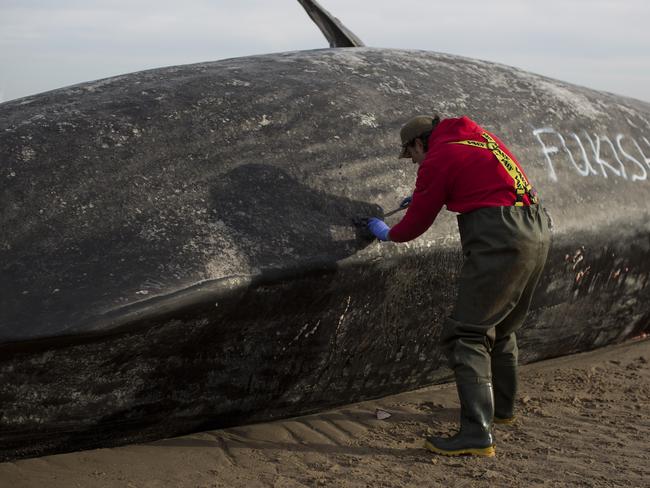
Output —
(464, 178)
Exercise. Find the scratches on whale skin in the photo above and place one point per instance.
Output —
(334, 343)
(341, 320)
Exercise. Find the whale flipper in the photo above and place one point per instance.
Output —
(336, 33)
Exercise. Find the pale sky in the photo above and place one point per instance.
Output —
(601, 44)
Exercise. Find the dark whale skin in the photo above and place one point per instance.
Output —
(178, 249)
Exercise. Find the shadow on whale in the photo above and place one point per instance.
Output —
(179, 250)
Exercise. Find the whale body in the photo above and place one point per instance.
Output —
(179, 249)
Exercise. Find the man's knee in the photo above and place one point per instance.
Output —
(506, 346)
(467, 348)
(454, 330)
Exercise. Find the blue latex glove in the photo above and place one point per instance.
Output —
(406, 202)
(379, 228)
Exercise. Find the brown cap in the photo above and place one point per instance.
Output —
(414, 128)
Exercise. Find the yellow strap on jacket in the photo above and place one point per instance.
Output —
(522, 186)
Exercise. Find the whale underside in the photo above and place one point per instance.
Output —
(179, 249)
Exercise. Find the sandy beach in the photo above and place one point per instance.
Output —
(583, 421)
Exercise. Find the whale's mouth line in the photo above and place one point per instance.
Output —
(121, 319)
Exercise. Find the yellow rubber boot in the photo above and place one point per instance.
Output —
(476, 414)
(445, 450)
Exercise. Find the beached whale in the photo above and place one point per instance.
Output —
(178, 248)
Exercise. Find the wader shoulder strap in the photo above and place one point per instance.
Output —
(522, 187)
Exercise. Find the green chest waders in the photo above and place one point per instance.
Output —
(505, 250)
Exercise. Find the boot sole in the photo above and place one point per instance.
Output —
(507, 421)
(470, 451)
